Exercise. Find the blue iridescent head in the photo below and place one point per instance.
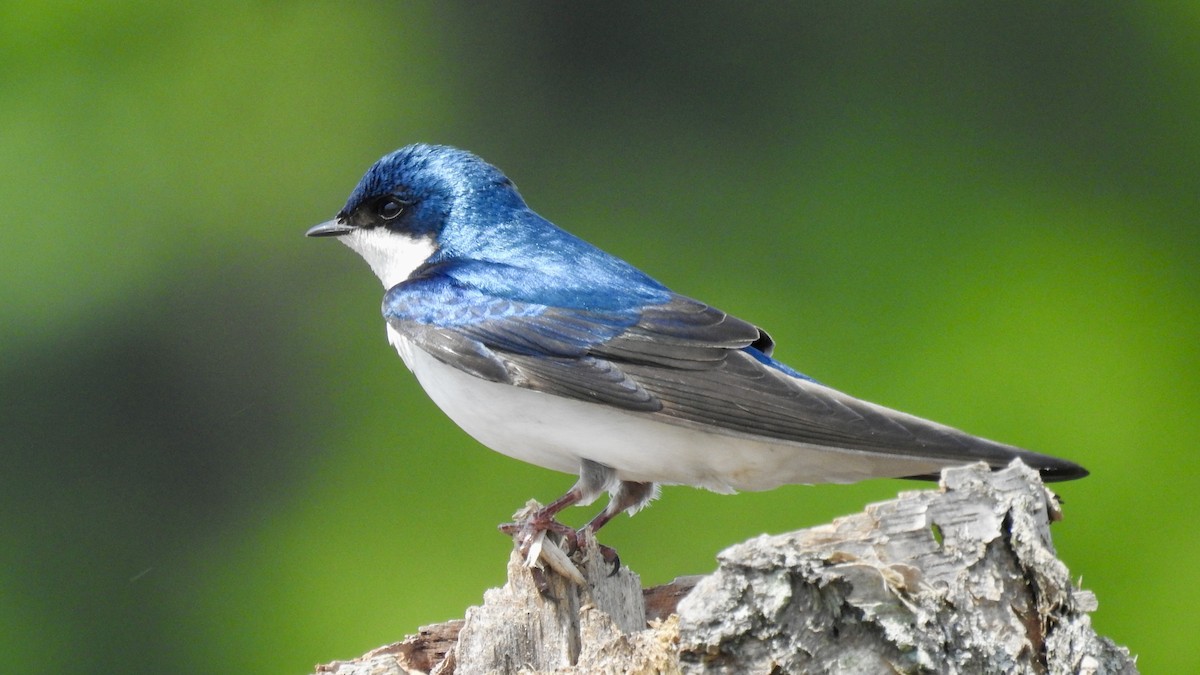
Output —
(414, 189)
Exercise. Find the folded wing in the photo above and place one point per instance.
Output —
(680, 361)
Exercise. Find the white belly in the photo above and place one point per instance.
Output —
(556, 433)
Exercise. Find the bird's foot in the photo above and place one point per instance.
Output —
(534, 527)
(541, 539)
(607, 554)
(533, 521)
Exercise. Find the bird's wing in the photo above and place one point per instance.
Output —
(577, 353)
(681, 361)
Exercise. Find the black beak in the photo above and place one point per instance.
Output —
(329, 228)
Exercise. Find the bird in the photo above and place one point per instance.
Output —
(549, 350)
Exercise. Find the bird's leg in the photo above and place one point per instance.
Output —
(543, 519)
(629, 496)
(594, 479)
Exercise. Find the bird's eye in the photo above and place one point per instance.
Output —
(388, 208)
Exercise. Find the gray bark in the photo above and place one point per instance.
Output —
(962, 579)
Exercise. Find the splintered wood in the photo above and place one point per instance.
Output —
(962, 579)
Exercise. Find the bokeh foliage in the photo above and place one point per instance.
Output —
(986, 215)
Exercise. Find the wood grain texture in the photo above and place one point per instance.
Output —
(961, 579)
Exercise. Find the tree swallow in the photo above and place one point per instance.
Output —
(551, 351)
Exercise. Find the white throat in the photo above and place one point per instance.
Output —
(392, 256)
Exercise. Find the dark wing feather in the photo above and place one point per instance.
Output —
(586, 379)
(681, 334)
(746, 396)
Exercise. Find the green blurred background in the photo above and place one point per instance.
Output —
(212, 460)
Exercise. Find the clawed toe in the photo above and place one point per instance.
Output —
(609, 555)
(525, 532)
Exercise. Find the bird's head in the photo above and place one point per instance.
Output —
(399, 215)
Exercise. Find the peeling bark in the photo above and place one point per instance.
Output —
(962, 579)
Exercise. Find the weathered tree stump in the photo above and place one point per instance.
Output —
(962, 579)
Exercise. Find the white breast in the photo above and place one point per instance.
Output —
(555, 433)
